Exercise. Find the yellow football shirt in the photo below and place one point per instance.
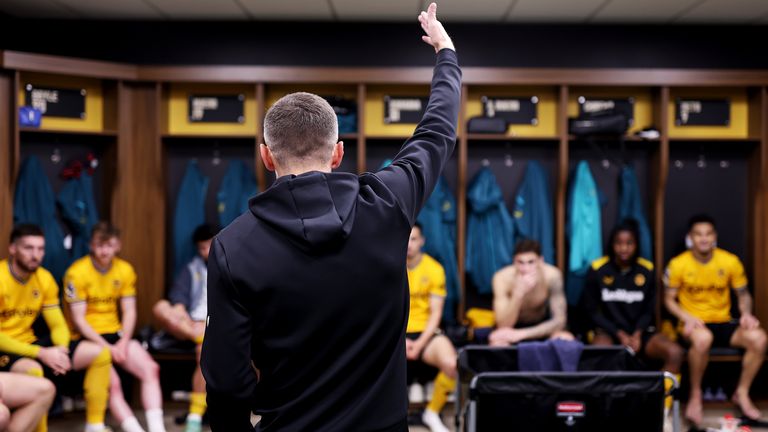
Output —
(703, 289)
(21, 302)
(425, 280)
(100, 291)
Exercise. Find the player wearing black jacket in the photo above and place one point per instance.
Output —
(620, 298)
(310, 286)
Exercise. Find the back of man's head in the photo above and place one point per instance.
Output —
(301, 128)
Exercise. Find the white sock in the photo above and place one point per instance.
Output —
(155, 421)
(94, 427)
(195, 418)
(433, 421)
(131, 424)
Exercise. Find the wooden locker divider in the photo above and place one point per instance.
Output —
(661, 165)
(8, 139)
(138, 201)
(261, 110)
(562, 179)
(758, 215)
(461, 204)
(361, 153)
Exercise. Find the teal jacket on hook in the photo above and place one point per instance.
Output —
(78, 209)
(533, 210)
(34, 203)
(631, 207)
(189, 214)
(490, 231)
(237, 187)
(584, 230)
(438, 222)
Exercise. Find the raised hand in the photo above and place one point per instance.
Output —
(435, 33)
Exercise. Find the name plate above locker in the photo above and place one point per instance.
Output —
(589, 106)
(216, 108)
(56, 102)
(522, 110)
(702, 112)
(404, 109)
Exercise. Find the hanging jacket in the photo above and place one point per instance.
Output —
(237, 187)
(490, 231)
(189, 214)
(438, 223)
(533, 210)
(631, 207)
(77, 207)
(34, 203)
(584, 230)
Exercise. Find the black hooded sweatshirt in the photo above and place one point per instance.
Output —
(311, 288)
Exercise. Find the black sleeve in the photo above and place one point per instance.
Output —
(414, 171)
(226, 358)
(181, 290)
(591, 303)
(649, 302)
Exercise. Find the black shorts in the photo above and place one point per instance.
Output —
(111, 338)
(7, 360)
(722, 333)
(645, 336)
(414, 336)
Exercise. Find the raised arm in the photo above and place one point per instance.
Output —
(414, 171)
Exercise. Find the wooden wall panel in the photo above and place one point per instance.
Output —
(758, 213)
(138, 203)
(7, 139)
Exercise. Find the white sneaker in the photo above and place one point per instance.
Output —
(432, 420)
(416, 393)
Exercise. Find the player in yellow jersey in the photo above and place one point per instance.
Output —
(698, 292)
(183, 315)
(95, 286)
(26, 289)
(29, 397)
(423, 339)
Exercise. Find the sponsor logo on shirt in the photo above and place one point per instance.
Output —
(622, 295)
(19, 313)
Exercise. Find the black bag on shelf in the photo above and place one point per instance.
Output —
(489, 125)
(603, 123)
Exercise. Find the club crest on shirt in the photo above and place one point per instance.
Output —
(4, 360)
(424, 280)
(721, 272)
(608, 280)
(35, 293)
(639, 280)
(69, 290)
(116, 283)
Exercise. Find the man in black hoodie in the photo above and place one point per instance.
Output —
(310, 287)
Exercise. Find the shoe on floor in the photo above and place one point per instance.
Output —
(433, 421)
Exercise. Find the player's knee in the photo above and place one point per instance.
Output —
(756, 340)
(45, 390)
(160, 308)
(674, 354)
(701, 340)
(152, 369)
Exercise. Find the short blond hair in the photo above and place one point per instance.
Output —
(301, 127)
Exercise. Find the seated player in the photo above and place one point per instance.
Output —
(95, 285)
(423, 339)
(620, 298)
(698, 292)
(24, 400)
(27, 291)
(184, 315)
(528, 299)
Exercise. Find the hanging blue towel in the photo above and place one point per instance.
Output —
(631, 207)
(533, 210)
(584, 230)
(189, 214)
(549, 356)
(438, 223)
(490, 231)
(78, 210)
(237, 187)
(34, 203)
